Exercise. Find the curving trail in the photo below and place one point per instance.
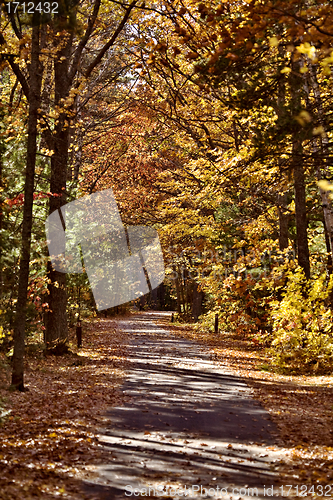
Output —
(188, 425)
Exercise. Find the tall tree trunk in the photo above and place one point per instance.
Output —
(56, 332)
(296, 86)
(300, 208)
(78, 152)
(182, 288)
(177, 279)
(161, 296)
(282, 199)
(329, 256)
(2, 151)
(323, 162)
(326, 203)
(35, 80)
(282, 205)
(197, 301)
(153, 299)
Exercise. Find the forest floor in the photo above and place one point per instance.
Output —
(51, 432)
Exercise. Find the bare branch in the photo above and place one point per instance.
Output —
(83, 41)
(112, 40)
(16, 70)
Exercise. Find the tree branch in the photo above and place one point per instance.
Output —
(16, 70)
(83, 41)
(106, 47)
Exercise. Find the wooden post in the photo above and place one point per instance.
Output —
(216, 323)
(79, 334)
(172, 318)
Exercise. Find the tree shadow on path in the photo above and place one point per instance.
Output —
(186, 423)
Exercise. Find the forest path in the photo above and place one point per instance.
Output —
(186, 423)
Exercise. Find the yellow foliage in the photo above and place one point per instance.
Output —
(302, 323)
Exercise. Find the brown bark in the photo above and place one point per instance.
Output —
(197, 301)
(35, 79)
(2, 151)
(282, 199)
(323, 162)
(300, 208)
(296, 85)
(282, 205)
(177, 278)
(181, 287)
(56, 318)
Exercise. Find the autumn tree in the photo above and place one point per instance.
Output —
(240, 55)
(59, 42)
(33, 90)
(71, 58)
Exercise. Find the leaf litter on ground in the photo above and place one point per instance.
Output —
(49, 435)
(49, 439)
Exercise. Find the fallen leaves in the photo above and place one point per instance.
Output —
(51, 432)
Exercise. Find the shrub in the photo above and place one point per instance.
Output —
(302, 324)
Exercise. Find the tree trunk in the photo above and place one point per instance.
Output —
(282, 205)
(328, 248)
(35, 80)
(153, 299)
(300, 208)
(282, 199)
(177, 278)
(79, 144)
(296, 85)
(56, 318)
(161, 296)
(197, 301)
(323, 162)
(181, 288)
(2, 151)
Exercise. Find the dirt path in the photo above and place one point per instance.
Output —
(187, 428)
